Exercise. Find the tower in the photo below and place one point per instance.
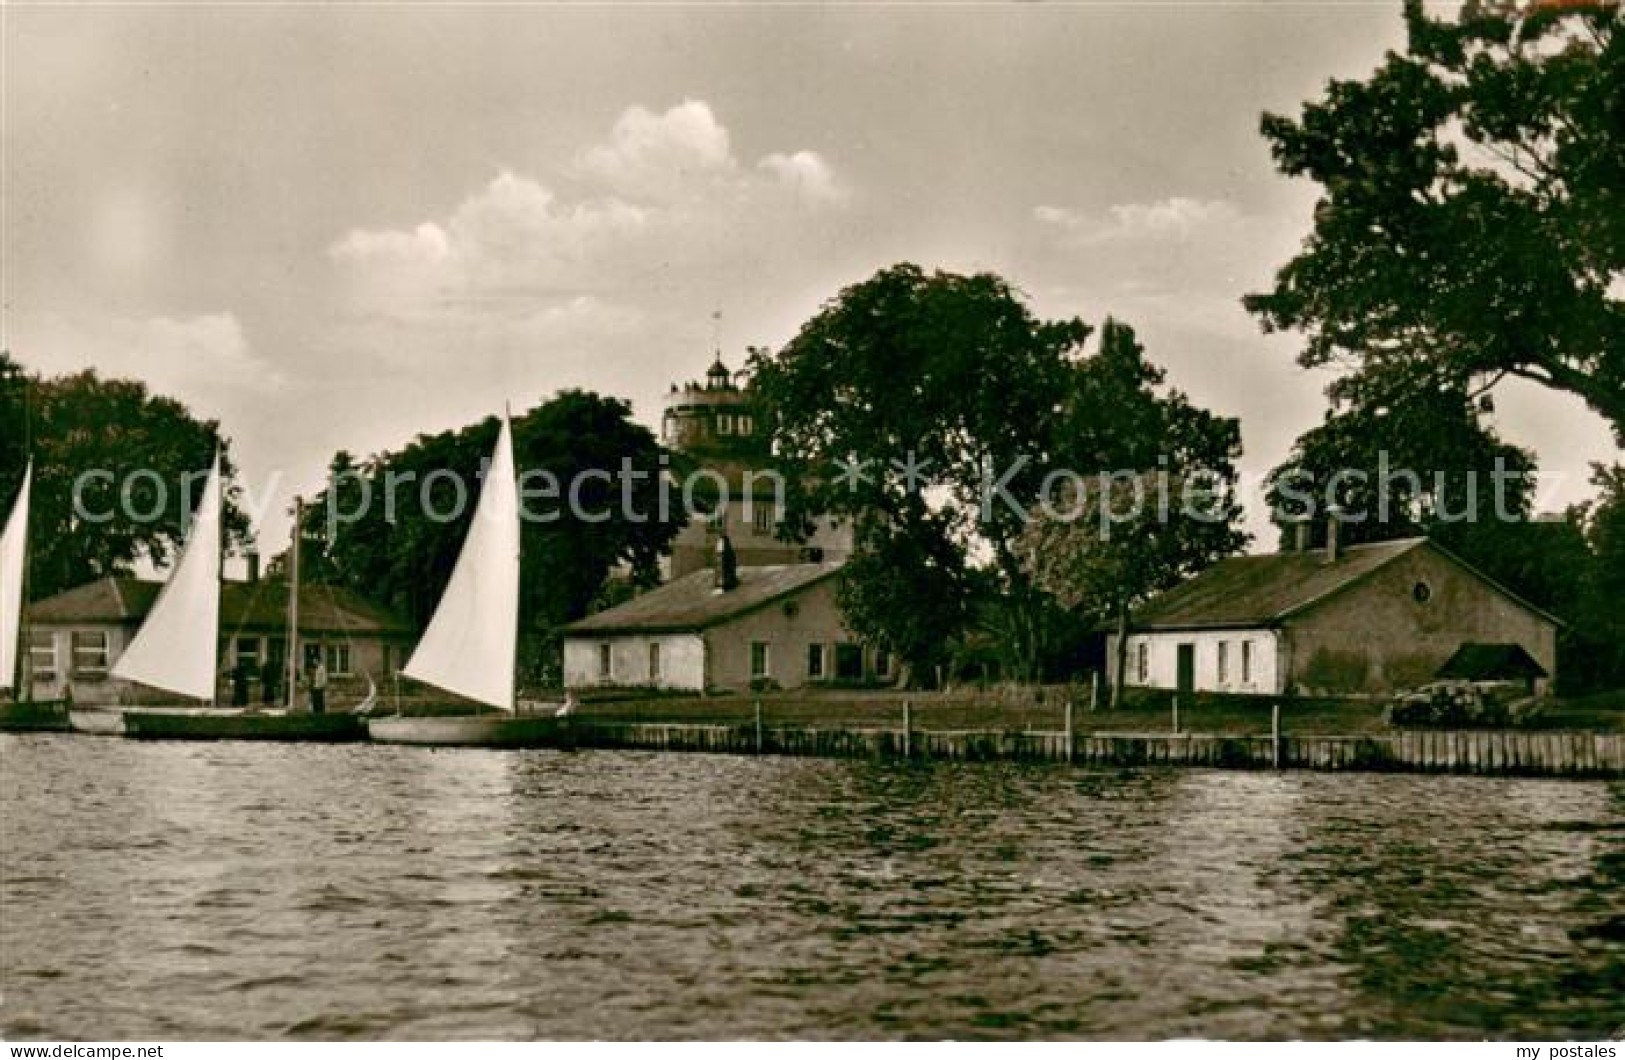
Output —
(717, 425)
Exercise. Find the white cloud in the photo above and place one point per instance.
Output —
(657, 156)
(806, 173)
(661, 201)
(204, 360)
(1174, 218)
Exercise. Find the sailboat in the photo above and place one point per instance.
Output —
(471, 646)
(177, 649)
(22, 714)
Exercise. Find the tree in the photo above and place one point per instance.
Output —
(398, 546)
(1472, 218)
(899, 408)
(1426, 465)
(935, 413)
(146, 450)
(1115, 542)
(1597, 633)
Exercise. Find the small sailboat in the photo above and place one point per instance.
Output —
(177, 649)
(472, 643)
(21, 714)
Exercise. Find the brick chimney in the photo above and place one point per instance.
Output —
(1334, 546)
(727, 568)
(1300, 535)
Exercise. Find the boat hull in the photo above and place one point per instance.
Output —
(480, 730)
(97, 721)
(34, 717)
(287, 728)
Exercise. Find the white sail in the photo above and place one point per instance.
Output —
(471, 643)
(13, 561)
(177, 646)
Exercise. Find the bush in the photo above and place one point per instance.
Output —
(1450, 704)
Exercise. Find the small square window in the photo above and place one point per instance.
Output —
(338, 660)
(42, 654)
(90, 652)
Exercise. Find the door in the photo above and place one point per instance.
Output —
(1187, 669)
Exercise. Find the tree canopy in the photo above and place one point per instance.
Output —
(145, 445)
(933, 412)
(1471, 224)
(394, 547)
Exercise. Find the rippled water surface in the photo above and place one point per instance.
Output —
(178, 891)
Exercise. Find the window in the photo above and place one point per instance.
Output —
(338, 660)
(848, 662)
(90, 653)
(654, 661)
(746, 425)
(1142, 662)
(882, 662)
(1421, 592)
(248, 651)
(1246, 662)
(1224, 662)
(605, 662)
(42, 654)
(725, 423)
(815, 661)
(762, 517)
(759, 659)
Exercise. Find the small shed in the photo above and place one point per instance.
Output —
(1492, 662)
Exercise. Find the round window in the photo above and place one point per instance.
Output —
(1421, 593)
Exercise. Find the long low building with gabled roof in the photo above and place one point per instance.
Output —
(1367, 619)
(730, 628)
(77, 635)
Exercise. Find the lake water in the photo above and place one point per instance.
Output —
(183, 891)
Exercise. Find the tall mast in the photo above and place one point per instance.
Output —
(293, 600)
(24, 693)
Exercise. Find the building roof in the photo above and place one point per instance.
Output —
(1491, 662)
(691, 603)
(1252, 591)
(243, 605)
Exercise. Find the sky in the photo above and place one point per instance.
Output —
(337, 227)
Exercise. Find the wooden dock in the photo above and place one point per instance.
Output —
(1486, 752)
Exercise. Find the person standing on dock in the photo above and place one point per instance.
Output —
(270, 681)
(318, 687)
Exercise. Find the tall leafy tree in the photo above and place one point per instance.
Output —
(1472, 218)
(916, 406)
(934, 412)
(398, 545)
(1425, 465)
(136, 459)
(1597, 631)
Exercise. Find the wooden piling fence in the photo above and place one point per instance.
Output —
(1498, 752)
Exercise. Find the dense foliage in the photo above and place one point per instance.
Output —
(929, 411)
(1472, 218)
(80, 423)
(392, 547)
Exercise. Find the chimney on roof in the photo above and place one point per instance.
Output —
(727, 568)
(1334, 546)
(1300, 535)
(253, 559)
